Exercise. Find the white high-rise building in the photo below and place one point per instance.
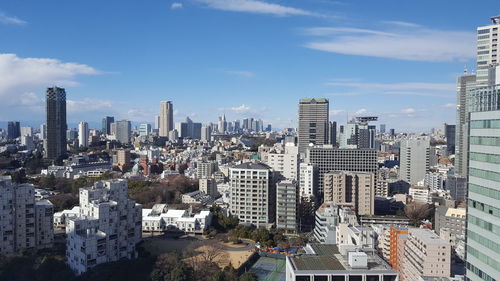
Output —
(253, 194)
(414, 160)
(166, 118)
(206, 133)
(27, 131)
(108, 227)
(487, 49)
(285, 161)
(43, 132)
(25, 224)
(308, 181)
(83, 134)
(144, 129)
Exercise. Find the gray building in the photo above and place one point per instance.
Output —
(450, 132)
(465, 84)
(451, 219)
(457, 185)
(166, 118)
(106, 124)
(328, 158)
(287, 203)
(414, 160)
(123, 131)
(55, 144)
(13, 130)
(189, 129)
(313, 122)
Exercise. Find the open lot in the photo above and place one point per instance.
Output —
(201, 249)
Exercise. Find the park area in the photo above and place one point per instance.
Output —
(198, 249)
(269, 269)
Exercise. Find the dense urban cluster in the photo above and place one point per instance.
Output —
(214, 201)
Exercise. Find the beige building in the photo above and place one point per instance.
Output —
(123, 159)
(166, 118)
(425, 254)
(351, 189)
(208, 186)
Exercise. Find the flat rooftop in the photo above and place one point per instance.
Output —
(323, 257)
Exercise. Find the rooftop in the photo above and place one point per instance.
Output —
(316, 100)
(252, 166)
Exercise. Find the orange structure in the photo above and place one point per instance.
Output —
(394, 237)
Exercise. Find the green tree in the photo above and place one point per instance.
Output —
(248, 276)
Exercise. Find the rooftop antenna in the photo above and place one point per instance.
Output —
(465, 70)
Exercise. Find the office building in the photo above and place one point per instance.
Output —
(287, 204)
(434, 180)
(450, 134)
(71, 134)
(338, 263)
(355, 190)
(106, 124)
(457, 185)
(27, 131)
(55, 144)
(487, 50)
(144, 129)
(13, 130)
(382, 128)
(253, 194)
(83, 134)
(483, 201)
(465, 84)
(189, 129)
(414, 159)
(358, 133)
(332, 133)
(43, 132)
(206, 133)
(425, 255)
(328, 158)
(123, 131)
(222, 124)
(308, 181)
(27, 141)
(166, 118)
(313, 122)
(157, 123)
(107, 229)
(420, 194)
(25, 224)
(450, 221)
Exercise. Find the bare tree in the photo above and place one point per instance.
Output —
(417, 212)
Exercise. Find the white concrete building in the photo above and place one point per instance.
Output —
(160, 219)
(420, 194)
(308, 180)
(83, 134)
(25, 224)
(414, 160)
(253, 194)
(285, 160)
(107, 228)
(435, 181)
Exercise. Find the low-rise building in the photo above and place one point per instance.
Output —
(329, 262)
(163, 219)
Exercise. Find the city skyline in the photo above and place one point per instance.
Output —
(277, 54)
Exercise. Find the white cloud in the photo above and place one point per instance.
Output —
(336, 112)
(176, 5)
(401, 23)
(240, 73)
(361, 111)
(19, 76)
(406, 42)
(5, 19)
(89, 105)
(408, 110)
(445, 90)
(254, 6)
(240, 109)
(450, 105)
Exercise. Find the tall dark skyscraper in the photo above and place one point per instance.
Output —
(13, 130)
(55, 144)
(313, 122)
(106, 124)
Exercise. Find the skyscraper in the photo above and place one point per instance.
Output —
(222, 126)
(55, 144)
(414, 160)
(106, 124)
(166, 118)
(313, 122)
(382, 128)
(487, 47)
(13, 130)
(450, 132)
(465, 84)
(123, 130)
(83, 134)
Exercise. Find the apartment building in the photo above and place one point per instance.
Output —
(253, 194)
(308, 181)
(425, 255)
(287, 204)
(285, 161)
(107, 228)
(25, 224)
(351, 189)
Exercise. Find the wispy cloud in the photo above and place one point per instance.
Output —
(257, 7)
(401, 23)
(445, 90)
(176, 5)
(404, 41)
(450, 105)
(240, 73)
(5, 19)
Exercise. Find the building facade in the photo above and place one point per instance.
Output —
(414, 160)
(166, 118)
(83, 134)
(55, 109)
(313, 122)
(287, 204)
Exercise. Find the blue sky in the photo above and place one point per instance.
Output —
(239, 57)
